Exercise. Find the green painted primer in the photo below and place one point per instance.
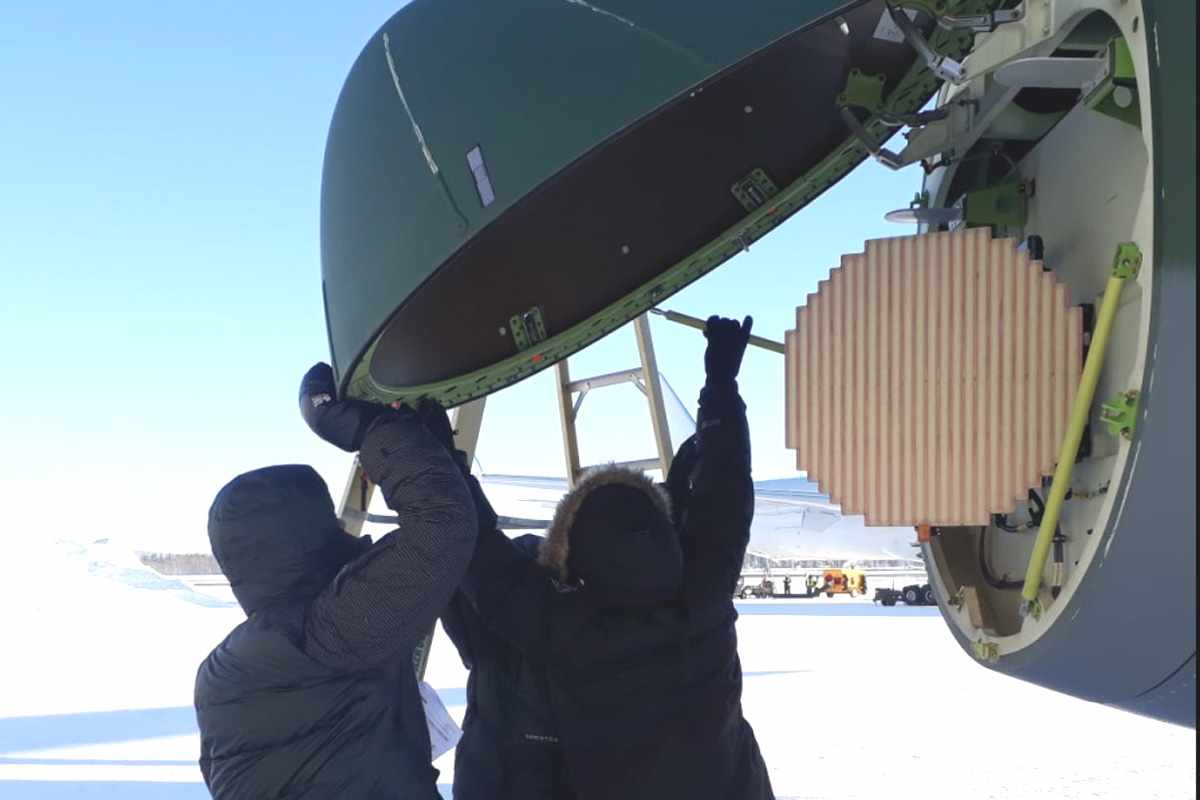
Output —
(1003, 205)
(1120, 414)
(863, 91)
(1117, 94)
(527, 329)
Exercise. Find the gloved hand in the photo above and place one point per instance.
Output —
(342, 423)
(437, 421)
(726, 346)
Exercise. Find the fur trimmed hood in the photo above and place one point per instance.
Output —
(556, 547)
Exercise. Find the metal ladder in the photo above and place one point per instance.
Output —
(572, 393)
(467, 420)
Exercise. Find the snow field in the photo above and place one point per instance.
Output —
(847, 699)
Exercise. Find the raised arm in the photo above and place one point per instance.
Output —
(504, 584)
(510, 592)
(382, 603)
(719, 508)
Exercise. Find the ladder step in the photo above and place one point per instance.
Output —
(611, 379)
(502, 522)
(643, 465)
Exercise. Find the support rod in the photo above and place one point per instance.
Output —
(1125, 265)
(699, 324)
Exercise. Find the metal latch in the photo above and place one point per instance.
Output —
(1120, 414)
(985, 651)
(527, 328)
(754, 190)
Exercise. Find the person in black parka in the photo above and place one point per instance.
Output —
(635, 626)
(314, 695)
(509, 748)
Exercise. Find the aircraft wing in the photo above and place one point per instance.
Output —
(792, 520)
(524, 503)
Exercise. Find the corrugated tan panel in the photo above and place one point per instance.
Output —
(857, 349)
(795, 394)
(836, 293)
(930, 377)
(789, 411)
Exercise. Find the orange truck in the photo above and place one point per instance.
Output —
(844, 581)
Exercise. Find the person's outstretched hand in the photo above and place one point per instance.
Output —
(342, 423)
(726, 346)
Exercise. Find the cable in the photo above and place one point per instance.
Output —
(1001, 521)
(995, 151)
(1036, 509)
(1002, 584)
(1035, 514)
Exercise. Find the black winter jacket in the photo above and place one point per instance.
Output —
(648, 700)
(509, 748)
(314, 696)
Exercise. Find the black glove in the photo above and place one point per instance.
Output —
(342, 423)
(437, 421)
(726, 346)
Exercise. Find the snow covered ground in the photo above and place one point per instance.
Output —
(848, 700)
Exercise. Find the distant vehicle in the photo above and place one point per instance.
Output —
(912, 595)
(766, 588)
(844, 581)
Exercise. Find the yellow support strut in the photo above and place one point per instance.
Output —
(698, 324)
(1126, 264)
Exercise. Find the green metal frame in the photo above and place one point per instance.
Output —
(863, 91)
(917, 86)
(1002, 205)
(1121, 74)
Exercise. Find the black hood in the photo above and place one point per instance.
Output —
(276, 536)
(613, 533)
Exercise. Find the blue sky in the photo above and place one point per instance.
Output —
(159, 269)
